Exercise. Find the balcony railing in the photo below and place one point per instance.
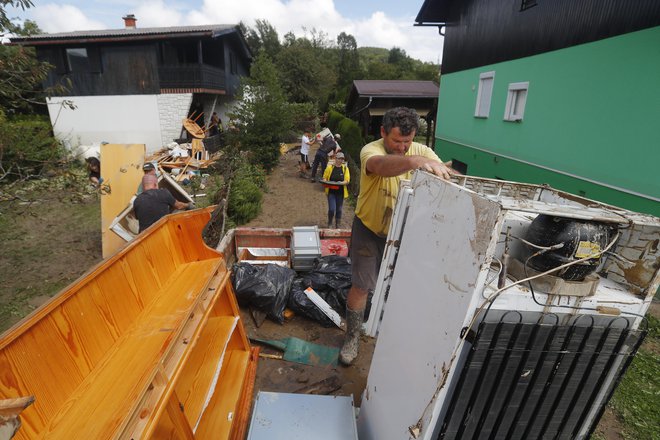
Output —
(190, 76)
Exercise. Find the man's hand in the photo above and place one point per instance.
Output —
(433, 166)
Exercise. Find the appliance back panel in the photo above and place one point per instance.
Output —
(533, 381)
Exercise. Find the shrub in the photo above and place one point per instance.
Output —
(351, 139)
(245, 194)
(333, 120)
(27, 147)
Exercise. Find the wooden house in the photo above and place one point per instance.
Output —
(369, 99)
(559, 92)
(135, 85)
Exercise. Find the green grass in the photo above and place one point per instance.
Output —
(637, 399)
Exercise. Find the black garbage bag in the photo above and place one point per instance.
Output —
(302, 305)
(331, 272)
(264, 287)
(330, 277)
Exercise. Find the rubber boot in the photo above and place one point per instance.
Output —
(337, 222)
(330, 221)
(349, 350)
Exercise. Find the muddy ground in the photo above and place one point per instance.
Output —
(50, 235)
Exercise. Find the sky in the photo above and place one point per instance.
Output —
(382, 23)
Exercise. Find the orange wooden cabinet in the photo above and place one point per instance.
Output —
(147, 344)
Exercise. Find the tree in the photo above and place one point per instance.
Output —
(5, 22)
(263, 36)
(261, 118)
(348, 68)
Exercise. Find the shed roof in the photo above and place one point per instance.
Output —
(396, 88)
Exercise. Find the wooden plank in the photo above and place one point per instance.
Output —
(217, 420)
(182, 429)
(109, 393)
(242, 417)
(203, 365)
(121, 169)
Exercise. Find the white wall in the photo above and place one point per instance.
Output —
(128, 119)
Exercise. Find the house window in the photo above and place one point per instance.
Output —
(515, 101)
(77, 59)
(484, 93)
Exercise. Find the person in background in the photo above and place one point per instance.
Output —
(94, 168)
(328, 145)
(216, 124)
(337, 172)
(149, 169)
(337, 149)
(154, 203)
(383, 164)
(304, 152)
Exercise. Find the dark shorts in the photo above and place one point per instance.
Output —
(304, 158)
(366, 254)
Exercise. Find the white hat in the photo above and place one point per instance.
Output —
(337, 136)
(339, 155)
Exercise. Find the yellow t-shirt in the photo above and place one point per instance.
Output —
(378, 194)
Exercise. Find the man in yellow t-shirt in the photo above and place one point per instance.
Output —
(383, 164)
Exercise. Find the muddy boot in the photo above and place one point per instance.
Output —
(330, 221)
(349, 350)
(337, 222)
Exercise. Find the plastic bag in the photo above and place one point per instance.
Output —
(263, 287)
(302, 305)
(330, 277)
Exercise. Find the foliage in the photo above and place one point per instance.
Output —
(637, 399)
(261, 119)
(351, 138)
(334, 117)
(263, 36)
(245, 195)
(27, 147)
(21, 74)
(304, 116)
(5, 22)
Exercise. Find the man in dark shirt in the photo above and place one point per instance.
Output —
(154, 203)
(327, 146)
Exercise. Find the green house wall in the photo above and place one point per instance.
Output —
(591, 124)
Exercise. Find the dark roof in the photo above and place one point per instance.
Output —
(396, 88)
(433, 12)
(211, 30)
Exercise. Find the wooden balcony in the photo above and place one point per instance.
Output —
(192, 76)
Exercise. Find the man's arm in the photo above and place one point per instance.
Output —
(181, 206)
(394, 165)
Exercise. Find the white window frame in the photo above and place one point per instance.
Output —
(484, 96)
(515, 108)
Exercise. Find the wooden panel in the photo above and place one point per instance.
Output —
(121, 170)
(113, 286)
(217, 420)
(108, 394)
(42, 347)
(141, 275)
(189, 232)
(159, 253)
(202, 366)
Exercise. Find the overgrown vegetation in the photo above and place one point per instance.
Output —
(637, 400)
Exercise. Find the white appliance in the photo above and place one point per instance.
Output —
(459, 358)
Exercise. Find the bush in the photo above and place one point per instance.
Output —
(351, 139)
(27, 147)
(333, 120)
(245, 195)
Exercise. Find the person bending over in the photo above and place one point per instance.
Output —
(153, 203)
